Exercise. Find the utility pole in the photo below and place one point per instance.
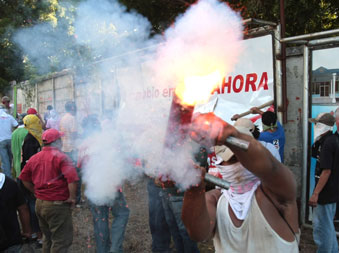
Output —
(283, 61)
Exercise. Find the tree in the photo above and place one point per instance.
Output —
(303, 16)
(19, 14)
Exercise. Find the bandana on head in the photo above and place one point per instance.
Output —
(320, 129)
(271, 127)
(33, 125)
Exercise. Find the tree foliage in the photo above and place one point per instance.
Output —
(302, 16)
(18, 14)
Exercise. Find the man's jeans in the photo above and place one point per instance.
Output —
(161, 236)
(100, 214)
(6, 157)
(172, 205)
(324, 234)
(13, 249)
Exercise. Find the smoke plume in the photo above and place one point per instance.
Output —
(141, 85)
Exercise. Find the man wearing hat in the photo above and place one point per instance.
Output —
(326, 192)
(6, 103)
(51, 176)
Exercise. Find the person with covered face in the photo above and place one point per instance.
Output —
(273, 132)
(258, 213)
(31, 145)
(326, 192)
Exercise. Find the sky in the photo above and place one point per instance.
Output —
(328, 58)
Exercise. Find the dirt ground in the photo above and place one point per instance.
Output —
(138, 236)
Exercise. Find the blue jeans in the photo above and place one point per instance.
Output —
(33, 218)
(13, 249)
(100, 214)
(161, 236)
(172, 205)
(6, 157)
(324, 234)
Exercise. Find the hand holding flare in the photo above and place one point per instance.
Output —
(209, 130)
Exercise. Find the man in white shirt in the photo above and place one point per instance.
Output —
(7, 123)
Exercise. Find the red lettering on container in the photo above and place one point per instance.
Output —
(226, 84)
(241, 79)
(250, 80)
(263, 81)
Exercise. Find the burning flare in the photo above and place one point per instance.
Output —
(197, 89)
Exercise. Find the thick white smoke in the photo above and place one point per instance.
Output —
(108, 29)
(206, 38)
(203, 39)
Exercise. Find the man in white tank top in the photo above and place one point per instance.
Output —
(259, 211)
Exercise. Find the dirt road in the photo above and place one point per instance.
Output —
(138, 236)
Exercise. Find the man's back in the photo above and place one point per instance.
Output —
(68, 126)
(50, 171)
(277, 138)
(7, 122)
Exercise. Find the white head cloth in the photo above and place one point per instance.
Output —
(243, 185)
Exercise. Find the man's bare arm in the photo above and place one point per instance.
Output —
(25, 220)
(199, 212)
(325, 174)
(72, 188)
(29, 186)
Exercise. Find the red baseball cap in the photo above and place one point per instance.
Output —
(31, 111)
(51, 135)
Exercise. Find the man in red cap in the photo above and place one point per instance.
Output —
(51, 176)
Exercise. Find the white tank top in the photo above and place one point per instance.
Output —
(255, 235)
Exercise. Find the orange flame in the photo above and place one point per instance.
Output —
(197, 89)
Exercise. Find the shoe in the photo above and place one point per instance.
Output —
(38, 244)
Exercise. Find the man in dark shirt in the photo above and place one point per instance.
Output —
(326, 193)
(11, 201)
(31, 146)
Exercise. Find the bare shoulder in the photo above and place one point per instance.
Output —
(282, 216)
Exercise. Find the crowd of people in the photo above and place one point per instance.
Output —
(45, 182)
(257, 213)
